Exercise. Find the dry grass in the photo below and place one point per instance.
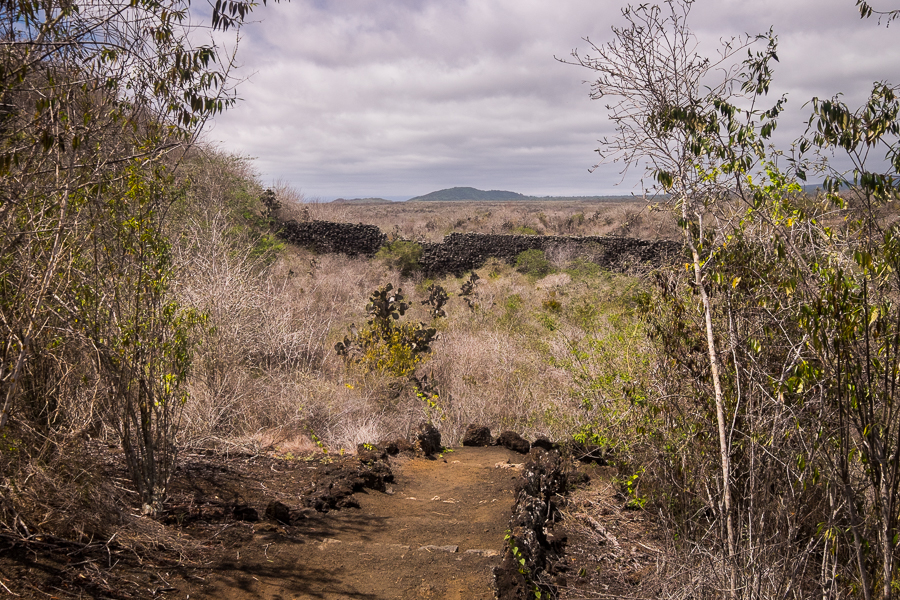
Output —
(431, 221)
(267, 373)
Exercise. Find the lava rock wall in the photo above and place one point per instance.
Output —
(325, 236)
(461, 252)
(533, 549)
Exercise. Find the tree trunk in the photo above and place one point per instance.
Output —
(724, 453)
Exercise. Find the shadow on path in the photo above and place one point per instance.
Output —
(436, 533)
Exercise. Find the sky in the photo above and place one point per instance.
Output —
(398, 98)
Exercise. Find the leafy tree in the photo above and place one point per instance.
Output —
(677, 114)
(846, 275)
(797, 311)
(142, 337)
(97, 103)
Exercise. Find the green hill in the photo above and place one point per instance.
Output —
(467, 193)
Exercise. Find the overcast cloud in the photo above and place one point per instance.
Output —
(396, 98)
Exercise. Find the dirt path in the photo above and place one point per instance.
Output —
(436, 533)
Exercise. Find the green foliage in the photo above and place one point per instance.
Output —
(384, 344)
(9, 445)
(548, 322)
(581, 268)
(437, 298)
(402, 255)
(428, 394)
(318, 441)
(520, 561)
(533, 263)
(575, 221)
(630, 487)
(399, 352)
(512, 305)
(607, 356)
(267, 246)
(584, 314)
(143, 338)
(588, 435)
(551, 303)
(801, 306)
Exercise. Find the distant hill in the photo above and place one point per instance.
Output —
(467, 193)
(360, 201)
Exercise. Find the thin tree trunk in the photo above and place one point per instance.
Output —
(724, 453)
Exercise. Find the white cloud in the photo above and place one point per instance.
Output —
(402, 97)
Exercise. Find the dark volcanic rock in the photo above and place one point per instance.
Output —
(544, 444)
(514, 441)
(376, 477)
(278, 511)
(398, 446)
(336, 484)
(369, 453)
(477, 435)
(428, 439)
(460, 252)
(324, 236)
(531, 529)
(242, 512)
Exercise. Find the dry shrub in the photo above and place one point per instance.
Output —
(64, 492)
(562, 254)
(491, 378)
(553, 281)
(267, 372)
(504, 364)
(270, 330)
(431, 221)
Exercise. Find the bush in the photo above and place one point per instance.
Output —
(533, 263)
(386, 346)
(402, 255)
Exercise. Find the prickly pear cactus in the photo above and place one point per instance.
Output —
(384, 305)
(385, 344)
(437, 298)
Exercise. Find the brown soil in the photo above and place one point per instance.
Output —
(612, 550)
(435, 532)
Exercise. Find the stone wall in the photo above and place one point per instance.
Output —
(533, 549)
(461, 252)
(344, 238)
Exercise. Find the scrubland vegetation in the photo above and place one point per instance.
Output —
(510, 353)
(747, 395)
(431, 221)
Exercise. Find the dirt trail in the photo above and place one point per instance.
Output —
(436, 533)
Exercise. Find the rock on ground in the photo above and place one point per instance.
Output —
(514, 441)
(477, 435)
